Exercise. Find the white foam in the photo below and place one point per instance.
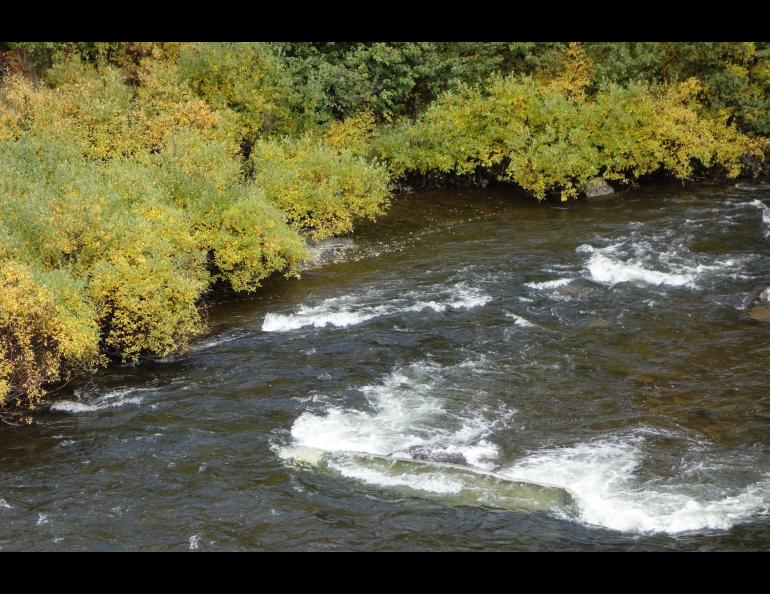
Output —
(661, 259)
(113, 399)
(608, 270)
(519, 321)
(552, 284)
(354, 309)
(216, 341)
(4, 504)
(765, 210)
(42, 519)
(465, 297)
(194, 542)
(401, 412)
(600, 476)
(752, 187)
(318, 317)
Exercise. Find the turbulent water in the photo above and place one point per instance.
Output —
(476, 371)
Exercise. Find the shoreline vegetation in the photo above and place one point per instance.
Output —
(137, 177)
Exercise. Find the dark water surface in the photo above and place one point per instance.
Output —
(601, 348)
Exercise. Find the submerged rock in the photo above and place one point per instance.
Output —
(759, 313)
(448, 483)
(327, 251)
(597, 187)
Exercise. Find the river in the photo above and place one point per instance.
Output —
(423, 379)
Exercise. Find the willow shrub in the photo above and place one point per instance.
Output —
(248, 79)
(322, 181)
(139, 243)
(244, 233)
(548, 138)
(45, 323)
(94, 108)
(120, 206)
(139, 272)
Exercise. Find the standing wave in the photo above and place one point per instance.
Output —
(600, 475)
(350, 310)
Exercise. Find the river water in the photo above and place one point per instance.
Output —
(423, 377)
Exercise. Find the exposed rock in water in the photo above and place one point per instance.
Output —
(760, 307)
(758, 165)
(427, 453)
(576, 289)
(597, 187)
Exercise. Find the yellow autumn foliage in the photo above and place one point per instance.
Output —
(43, 322)
(121, 204)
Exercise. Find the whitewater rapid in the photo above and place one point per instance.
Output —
(349, 310)
(601, 475)
(765, 214)
(404, 416)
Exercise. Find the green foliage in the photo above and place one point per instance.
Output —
(398, 79)
(63, 212)
(246, 78)
(146, 301)
(733, 75)
(246, 236)
(551, 137)
(320, 186)
(43, 322)
(288, 87)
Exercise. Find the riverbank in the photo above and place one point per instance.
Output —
(137, 181)
(329, 251)
(319, 253)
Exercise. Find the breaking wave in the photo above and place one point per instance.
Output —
(601, 477)
(354, 309)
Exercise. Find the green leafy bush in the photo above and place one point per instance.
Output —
(246, 236)
(550, 137)
(139, 197)
(320, 187)
(246, 78)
